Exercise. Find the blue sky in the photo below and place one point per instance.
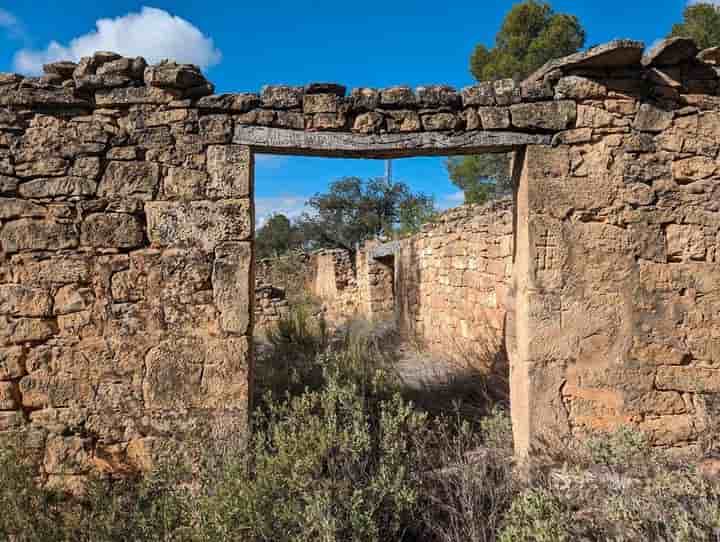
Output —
(243, 45)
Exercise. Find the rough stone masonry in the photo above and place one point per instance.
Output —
(126, 252)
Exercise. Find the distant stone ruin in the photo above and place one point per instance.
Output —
(126, 243)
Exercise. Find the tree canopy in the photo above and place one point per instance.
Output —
(701, 22)
(354, 210)
(530, 35)
(277, 236)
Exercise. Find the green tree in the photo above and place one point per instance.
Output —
(415, 211)
(276, 237)
(482, 176)
(701, 22)
(354, 210)
(530, 35)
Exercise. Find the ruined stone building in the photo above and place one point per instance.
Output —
(126, 243)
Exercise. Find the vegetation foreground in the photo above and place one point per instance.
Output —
(338, 454)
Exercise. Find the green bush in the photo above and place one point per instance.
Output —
(327, 465)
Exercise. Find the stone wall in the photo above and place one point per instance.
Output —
(126, 225)
(453, 280)
(125, 263)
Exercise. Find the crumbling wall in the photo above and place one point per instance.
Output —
(125, 264)
(126, 225)
(453, 280)
(616, 270)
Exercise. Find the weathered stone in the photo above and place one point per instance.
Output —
(282, 97)
(12, 364)
(58, 187)
(134, 96)
(482, 94)
(8, 185)
(87, 166)
(441, 121)
(232, 287)
(573, 87)
(201, 224)
(368, 123)
(97, 82)
(670, 51)
(326, 88)
(494, 118)
(44, 167)
(175, 76)
(112, 230)
(710, 55)
(19, 208)
(196, 373)
(216, 128)
(20, 300)
(11, 420)
(25, 330)
(403, 121)
(130, 180)
(506, 92)
(438, 96)
(8, 396)
(294, 119)
(63, 69)
(185, 184)
(230, 168)
(693, 169)
(67, 455)
(652, 119)
(400, 97)
(234, 103)
(72, 298)
(51, 269)
(131, 67)
(685, 243)
(557, 115)
(29, 234)
(320, 103)
(365, 99)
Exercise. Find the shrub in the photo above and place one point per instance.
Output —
(326, 465)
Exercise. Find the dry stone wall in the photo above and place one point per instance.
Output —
(126, 254)
(453, 280)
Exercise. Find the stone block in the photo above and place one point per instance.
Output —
(18, 208)
(12, 365)
(650, 118)
(216, 129)
(21, 300)
(232, 288)
(25, 330)
(320, 103)
(9, 396)
(494, 118)
(58, 187)
(29, 234)
(197, 373)
(72, 298)
(185, 184)
(368, 123)
(558, 115)
(230, 168)
(688, 379)
(685, 242)
(127, 179)
(200, 224)
(112, 230)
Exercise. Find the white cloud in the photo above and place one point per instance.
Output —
(152, 33)
(292, 206)
(453, 199)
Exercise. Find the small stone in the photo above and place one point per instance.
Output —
(20, 300)
(29, 234)
(174, 76)
(482, 94)
(365, 99)
(63, 69)
(400, 96)
(368, 123)
(438, 96)
(326, 88)
(320, 103)
(558, 115)
(130, 180)
(216, 128)
(652, 119)
(441, 121)
(494, 118)
(282, 97)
